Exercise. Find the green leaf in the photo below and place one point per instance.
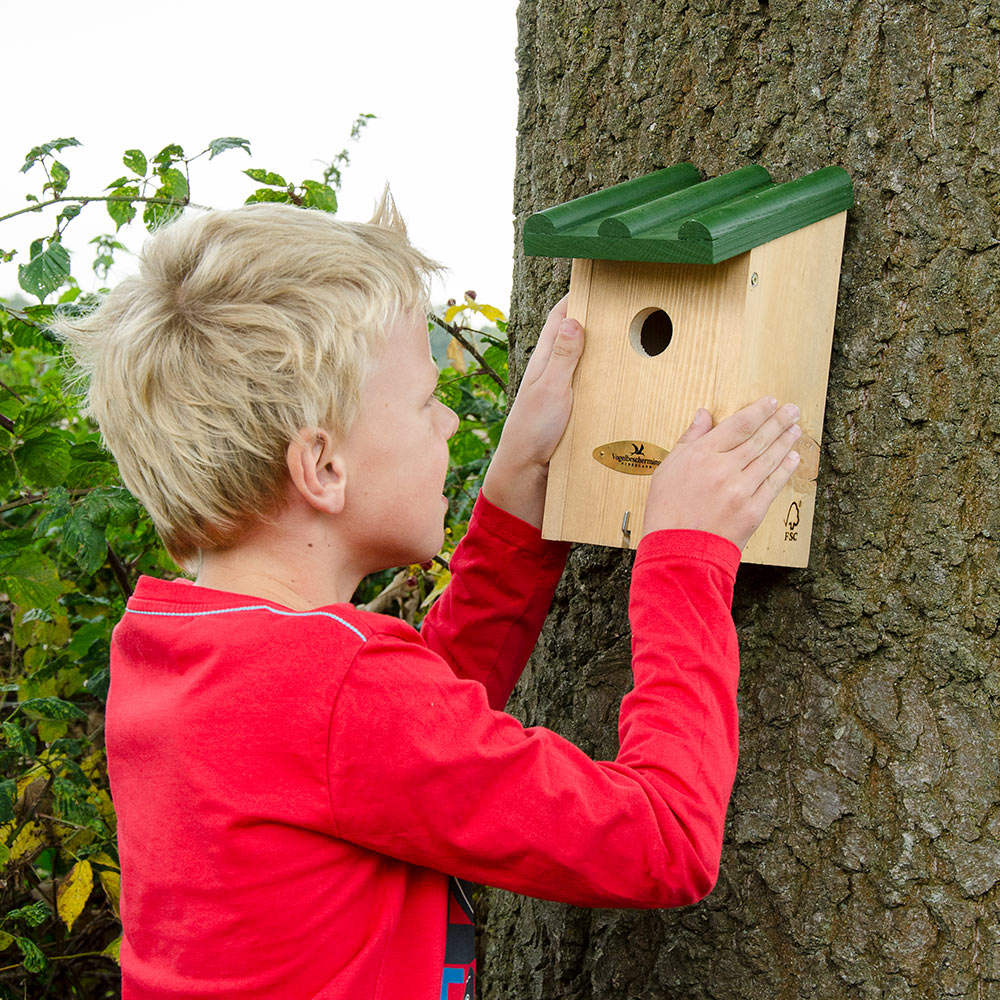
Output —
(135, 160)
(8, 473)
(18, 738)
(46, 272)
(12, 543)
(265, 177)
(173, 184)
(169, 154)
(26, 335)
(34, 915)
(71, 803)
(84, 541)
(267, 194)
(32, 581)
(217, 146)
(37, 152)
(111, 505)
(113, 950)
(44, 460)
(53, 708)
(59, 173)
(90, 465)
(320, 195)
(8, 793)
(31, 955)
(98, 683)
(85, 637)
(123, 212)
(69, 212)
(54, 508)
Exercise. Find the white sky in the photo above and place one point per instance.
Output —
(290, 77)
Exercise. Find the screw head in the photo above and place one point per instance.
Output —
(754, 279)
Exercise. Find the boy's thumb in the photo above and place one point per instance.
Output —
(566, 352)
(568, 345)
(701, 424)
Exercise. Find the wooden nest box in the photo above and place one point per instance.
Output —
(691, 293)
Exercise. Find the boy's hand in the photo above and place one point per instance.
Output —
(723, 479)
(518, 473)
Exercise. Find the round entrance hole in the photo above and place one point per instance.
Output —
(651, 332)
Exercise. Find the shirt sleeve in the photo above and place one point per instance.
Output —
(424, 770)
(487, 621)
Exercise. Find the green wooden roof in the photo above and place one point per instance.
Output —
(672, 215)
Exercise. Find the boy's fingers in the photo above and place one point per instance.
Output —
(742, 425)
(767, 434)
(767, 463)
(777, 480)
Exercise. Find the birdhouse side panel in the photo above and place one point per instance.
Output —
(791, 304)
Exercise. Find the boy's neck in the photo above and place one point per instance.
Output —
(289, 561)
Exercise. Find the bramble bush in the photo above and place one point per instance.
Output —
(73, 541)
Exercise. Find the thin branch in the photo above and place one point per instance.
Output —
(86, 199)
(5, 422)
(31, 498)
(120, 572)
(20, 399)
(456, 332)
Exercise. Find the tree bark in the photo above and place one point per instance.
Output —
(862, 854)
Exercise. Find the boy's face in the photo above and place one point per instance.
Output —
(397, 454)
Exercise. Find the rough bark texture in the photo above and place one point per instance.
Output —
(863, 847)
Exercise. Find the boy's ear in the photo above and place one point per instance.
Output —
(317, 470)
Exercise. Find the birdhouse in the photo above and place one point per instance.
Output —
(692, 293)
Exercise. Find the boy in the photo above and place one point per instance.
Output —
(295, 779)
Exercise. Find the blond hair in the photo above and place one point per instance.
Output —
(241, 328)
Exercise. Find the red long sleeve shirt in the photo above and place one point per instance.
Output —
(294, 788)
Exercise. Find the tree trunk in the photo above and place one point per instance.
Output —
(862, 854)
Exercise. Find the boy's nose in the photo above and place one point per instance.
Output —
(452, 421)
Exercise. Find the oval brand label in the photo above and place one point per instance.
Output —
(634, 458)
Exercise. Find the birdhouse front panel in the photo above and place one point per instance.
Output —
(665, 335)
(656, 350)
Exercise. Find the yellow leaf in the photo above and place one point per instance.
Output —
(73, 840)
(5, 940)
(106, 809)
(28, 840)
(113, 950)
(73, 893)
(91, 765)
(440, 582)
(50, 730)
(112, 883)
(456, 356)
(104, 859)
(453, 311)
(491, 312)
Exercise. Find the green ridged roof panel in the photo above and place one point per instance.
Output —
(672, 216)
